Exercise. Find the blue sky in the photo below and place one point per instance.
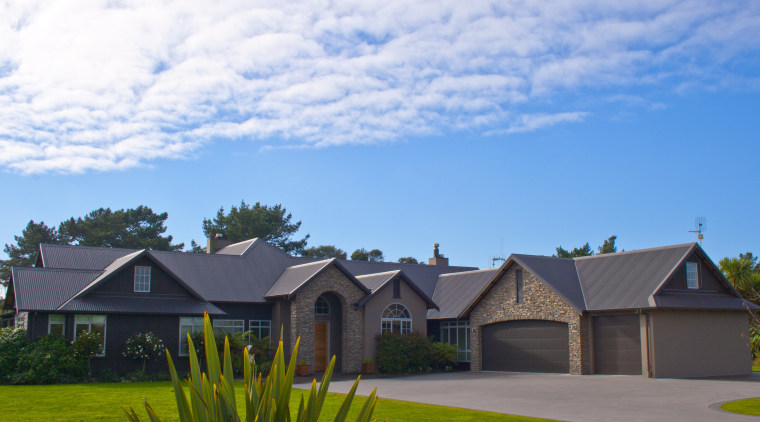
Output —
(395, 125)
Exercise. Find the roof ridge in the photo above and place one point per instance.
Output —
(309, 263)
(376, 274)
(420, 265)
(632, 251)
(580, 284)
(469, 272)
(66, 245)
(81, 270)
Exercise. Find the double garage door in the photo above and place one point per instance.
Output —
(543, 346)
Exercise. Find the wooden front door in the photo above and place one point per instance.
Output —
(321, 341)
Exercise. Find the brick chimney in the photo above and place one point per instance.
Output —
(438, 258)
(214, 243)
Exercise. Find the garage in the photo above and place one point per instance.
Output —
(617, 345)
(526, 346)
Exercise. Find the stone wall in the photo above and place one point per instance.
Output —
(539, 303)
(302, 317)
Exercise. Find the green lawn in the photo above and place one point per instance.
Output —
(745, 407)
(102, 402)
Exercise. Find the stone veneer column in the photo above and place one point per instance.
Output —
(302, 317)
(540, 303)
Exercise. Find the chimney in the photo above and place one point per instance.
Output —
(438, 258)
(216, 242)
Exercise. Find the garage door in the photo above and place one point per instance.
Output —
(617, 345)
(526, 346)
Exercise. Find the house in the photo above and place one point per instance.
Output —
(662, 312)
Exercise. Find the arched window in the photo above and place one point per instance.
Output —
(321, 307)
(396, 319)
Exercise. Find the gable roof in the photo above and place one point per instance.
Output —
(80, 257)
(424, 276)
(171, 305)
(239, 248)
(296, 277)
(455, 292)
(43, 289)
(377, 282)
(619, 281)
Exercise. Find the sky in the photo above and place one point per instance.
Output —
(490, 127)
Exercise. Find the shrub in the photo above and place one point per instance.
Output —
(443, 354)
(212, 394)
(12, 340)
(143, 346)
(237, 342)
(403, 353)
(48, 360)
(87, 345)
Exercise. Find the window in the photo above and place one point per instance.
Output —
(692, 275)
(396, 289)
(188, 325)
(396, 319)
(260, 328)
(88, 323)
(142, 279)
(321, 307)
(519, 294)
(56, 325)
(228, 326)
(458, 334)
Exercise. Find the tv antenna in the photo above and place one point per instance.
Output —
(700, 226)
(497, 258)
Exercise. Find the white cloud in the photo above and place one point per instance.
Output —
(117, 84)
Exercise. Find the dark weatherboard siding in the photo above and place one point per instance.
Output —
(526, 346)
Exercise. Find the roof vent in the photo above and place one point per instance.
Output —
(438, 258)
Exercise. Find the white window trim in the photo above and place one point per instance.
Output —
(89, 328)
(696, 271)
(180, 353)
(259, 326)
(140, 279)
(383, 319)
(63, 332)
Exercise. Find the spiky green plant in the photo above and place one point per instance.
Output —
(212, 394)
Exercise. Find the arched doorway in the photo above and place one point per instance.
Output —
(328, 331)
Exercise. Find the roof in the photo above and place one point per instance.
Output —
(454, 292)
(424, 276)
(145, 304)
(296, 276)
(43, 289)
(239, 248)
(616, 281)
(376, 282)
(80, 257)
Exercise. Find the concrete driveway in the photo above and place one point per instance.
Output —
(569, 397)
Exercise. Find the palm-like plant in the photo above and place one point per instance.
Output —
(212, 395)
(743, 276)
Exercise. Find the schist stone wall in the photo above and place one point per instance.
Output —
(539, 303)
(302, 318)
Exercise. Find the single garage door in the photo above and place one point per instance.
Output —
(526, 346)
(617, 345)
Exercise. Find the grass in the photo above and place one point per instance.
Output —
(745, 407)
(102, 402)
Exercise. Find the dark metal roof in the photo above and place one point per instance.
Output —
(626, 280)
(558, 273)
(239, 248)
(295, 277)
(424, 276)
(43, 289)
(130, 304)
(80, 257)
(455, 292)
(376, 282)
(110, 270)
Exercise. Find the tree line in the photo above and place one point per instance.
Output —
(142, 228)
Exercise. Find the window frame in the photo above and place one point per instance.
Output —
(62, 323)
(195, 323)
(320, 310)
(229, 329)
(387, 323)
(449, 327)
(142, 279)
(260, 324)
(696, 278)
(89, 322)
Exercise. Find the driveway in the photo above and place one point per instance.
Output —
(569, 397)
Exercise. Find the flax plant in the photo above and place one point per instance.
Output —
(211, 395)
